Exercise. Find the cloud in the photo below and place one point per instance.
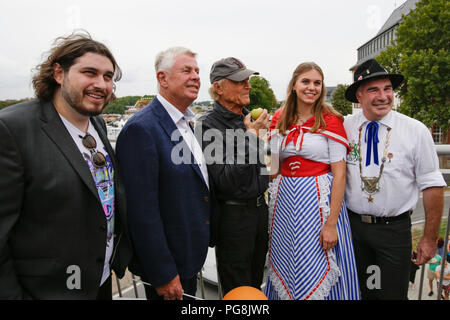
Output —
(272, 37)
(15, 79)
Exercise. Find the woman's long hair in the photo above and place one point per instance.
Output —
(289, 114)
(65, 51)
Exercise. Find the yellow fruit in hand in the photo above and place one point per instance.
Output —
(256, 113)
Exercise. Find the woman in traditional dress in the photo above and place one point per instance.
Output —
(311, 251)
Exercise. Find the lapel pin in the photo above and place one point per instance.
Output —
(390, 156)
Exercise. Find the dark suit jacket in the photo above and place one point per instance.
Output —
(51, 217)
(170, 209)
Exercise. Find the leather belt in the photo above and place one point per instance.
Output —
(366, 218)
(254, 202)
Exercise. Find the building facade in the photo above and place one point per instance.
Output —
(384, 37)
(382, 40)
(373, 48)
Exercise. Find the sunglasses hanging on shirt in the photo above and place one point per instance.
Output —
(97, 157)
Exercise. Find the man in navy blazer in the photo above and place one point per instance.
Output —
(169, 200)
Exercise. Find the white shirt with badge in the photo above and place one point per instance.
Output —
(104, 181)
(411, 165)
(182, 123)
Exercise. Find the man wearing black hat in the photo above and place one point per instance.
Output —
(393, 158)
(238, 172)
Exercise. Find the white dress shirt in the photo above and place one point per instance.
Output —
(411, 165)
(182, 123)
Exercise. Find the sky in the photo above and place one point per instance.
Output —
(269, 36)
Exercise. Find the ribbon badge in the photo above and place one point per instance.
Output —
(371, 138)
(353, 155)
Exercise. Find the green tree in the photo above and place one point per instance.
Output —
(114, 108)
(261, 95)
(118, 106)
(7, 103)
(421, 53)
(339, 102)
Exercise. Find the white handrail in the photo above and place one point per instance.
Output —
(443, 149)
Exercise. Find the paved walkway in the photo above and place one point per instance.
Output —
(413, 293)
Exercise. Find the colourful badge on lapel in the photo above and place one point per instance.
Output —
(353, 155)
(390, 156)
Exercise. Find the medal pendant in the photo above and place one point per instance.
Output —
(371, 185)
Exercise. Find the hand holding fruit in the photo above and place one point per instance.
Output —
(261, 122)
(256, 113)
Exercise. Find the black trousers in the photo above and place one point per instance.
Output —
(383, 258)
(105, 290)
(189, 286)
(242, 245)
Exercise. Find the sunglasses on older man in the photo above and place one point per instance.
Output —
(97, 157)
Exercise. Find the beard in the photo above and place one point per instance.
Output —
(75, 101)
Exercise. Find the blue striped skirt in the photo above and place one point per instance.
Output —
(298, 268)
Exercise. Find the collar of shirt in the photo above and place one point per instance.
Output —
(74, 131)
(188, 135)
(387, 120)
(173, 112)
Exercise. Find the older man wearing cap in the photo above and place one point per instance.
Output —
(240, 179)
(393, 159)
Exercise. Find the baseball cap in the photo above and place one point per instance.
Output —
(230, 68)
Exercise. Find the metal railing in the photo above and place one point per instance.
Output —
(442, 150)
(444, 258)
(136, 281)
